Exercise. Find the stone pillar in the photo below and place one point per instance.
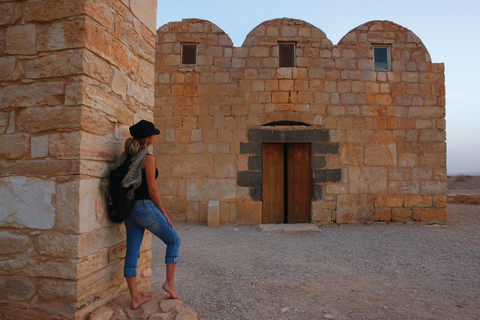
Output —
(74, 75)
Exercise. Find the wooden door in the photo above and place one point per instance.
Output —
(273, 183)
(298, 183)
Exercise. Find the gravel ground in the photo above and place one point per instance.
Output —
(464, 185)
(377, 271)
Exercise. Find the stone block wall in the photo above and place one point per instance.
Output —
(381, 155)
(74, 75)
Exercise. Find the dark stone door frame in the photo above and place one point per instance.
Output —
(321, 146)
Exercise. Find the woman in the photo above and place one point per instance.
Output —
(148, 211)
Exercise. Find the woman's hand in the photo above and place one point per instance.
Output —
(162, 210)
(168, 220)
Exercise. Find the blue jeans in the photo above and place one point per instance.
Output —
(145, 215)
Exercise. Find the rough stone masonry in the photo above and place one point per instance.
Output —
(74, 75)
(371, 110)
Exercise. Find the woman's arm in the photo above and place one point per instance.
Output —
(149, 166)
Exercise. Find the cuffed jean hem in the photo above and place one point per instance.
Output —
(129, 272)
(169, 260)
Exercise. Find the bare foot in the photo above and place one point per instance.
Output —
(171, 291)
(138, 302)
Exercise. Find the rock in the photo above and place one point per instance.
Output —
(159, 316)
(170, 305)
(186, 314)
(103, 313)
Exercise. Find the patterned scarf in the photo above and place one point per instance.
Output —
(134, 175)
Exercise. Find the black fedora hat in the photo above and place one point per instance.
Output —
(143, 129)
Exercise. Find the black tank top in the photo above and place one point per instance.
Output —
(141, 193)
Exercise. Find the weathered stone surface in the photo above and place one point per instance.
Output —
(145, 12)
(94, 263)
(67, 204)
(249, 213)
(384, 154)
(59, 64)
(273, 135)
(14, 146)
(6, 13)
(39, 147)
(430, 215)
(213, 218)
(91, 242)
(7, 68)
(139, 45)
(170, 305)
(3, 121)
(32, 95)
(367, 180)
(326, 175)
(210, 189)
(14, 243)
(159, 316)
(56, 244)
(34, 120)
(102, 313)
(65, 145)
(95, 96)
(251, 148)
(249, 179)
(62, 215)
(325, 148)
(402, 214)
(186, 313)
(41, 10)
(61, 35)
(21, 39)
(193, 165)
(17, 288)
(35, 207)
(97, 67)
(92, 121)
(91, 208)
(104, 13)
(54, 289)
(352, 154)
(355, 208)
(120, 83)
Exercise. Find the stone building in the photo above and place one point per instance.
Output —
(356, 131)
(291, 128)
(74, 75)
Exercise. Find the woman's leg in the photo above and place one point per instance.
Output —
(169, 284)
(167, 234)
(134, 241)
(137, 299)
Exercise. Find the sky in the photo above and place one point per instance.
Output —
(449, 29)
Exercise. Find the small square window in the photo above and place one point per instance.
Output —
(381, 58)
(286, 54)
(189, 54)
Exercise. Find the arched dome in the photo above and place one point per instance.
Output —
(389, 33)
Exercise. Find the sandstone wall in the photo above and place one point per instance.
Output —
(379, 152)
(73, 76)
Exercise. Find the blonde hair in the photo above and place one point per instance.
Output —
(133, 145)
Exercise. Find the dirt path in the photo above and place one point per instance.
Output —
(344, 272)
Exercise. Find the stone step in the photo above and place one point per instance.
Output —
(289, 227)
